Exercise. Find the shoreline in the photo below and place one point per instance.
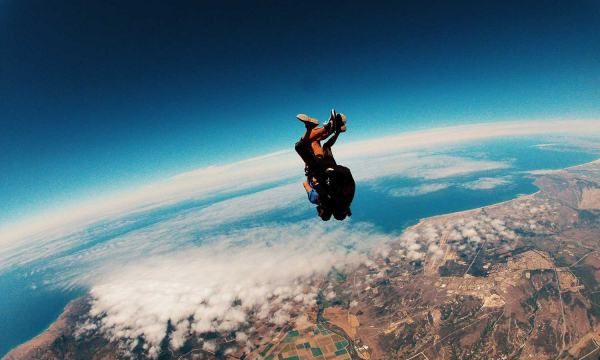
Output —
(521, 196)
(47, 336)
(54, 329)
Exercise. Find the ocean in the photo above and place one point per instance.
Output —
(30, 302)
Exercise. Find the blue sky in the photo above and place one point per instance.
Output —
(100, 95)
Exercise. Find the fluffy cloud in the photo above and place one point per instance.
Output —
(486, 183)
(418, 242)
(265, 273)
(160, 236)
(421, 165)
(573, 145)
(464, 235)
(451, 166)
(418, 190)
(250, 205)
(540, 172)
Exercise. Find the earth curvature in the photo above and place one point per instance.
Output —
(475, 240)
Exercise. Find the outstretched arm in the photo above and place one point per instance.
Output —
(318, 134)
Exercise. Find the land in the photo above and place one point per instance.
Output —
(516, 280)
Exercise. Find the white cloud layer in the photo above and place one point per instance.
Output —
(420, 165)
(418, 190)
(161, 237)
(487, 183)
(263, 273)
(223, 179)
(180, 230)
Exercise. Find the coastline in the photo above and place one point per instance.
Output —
(522, 196)
(34, 347)
(31, 347)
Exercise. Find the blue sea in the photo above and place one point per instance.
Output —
(28, 304)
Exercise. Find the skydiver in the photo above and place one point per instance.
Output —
(320, 164)
(311, 183)
(317, 158)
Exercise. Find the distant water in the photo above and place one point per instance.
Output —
(28, 306)
(396, 213)
(27, 309)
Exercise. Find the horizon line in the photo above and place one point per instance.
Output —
(192, 184)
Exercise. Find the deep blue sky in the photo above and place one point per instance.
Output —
(100, 95)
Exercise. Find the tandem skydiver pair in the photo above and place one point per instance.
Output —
(328, 185)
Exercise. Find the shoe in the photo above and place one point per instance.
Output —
(307, 119)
